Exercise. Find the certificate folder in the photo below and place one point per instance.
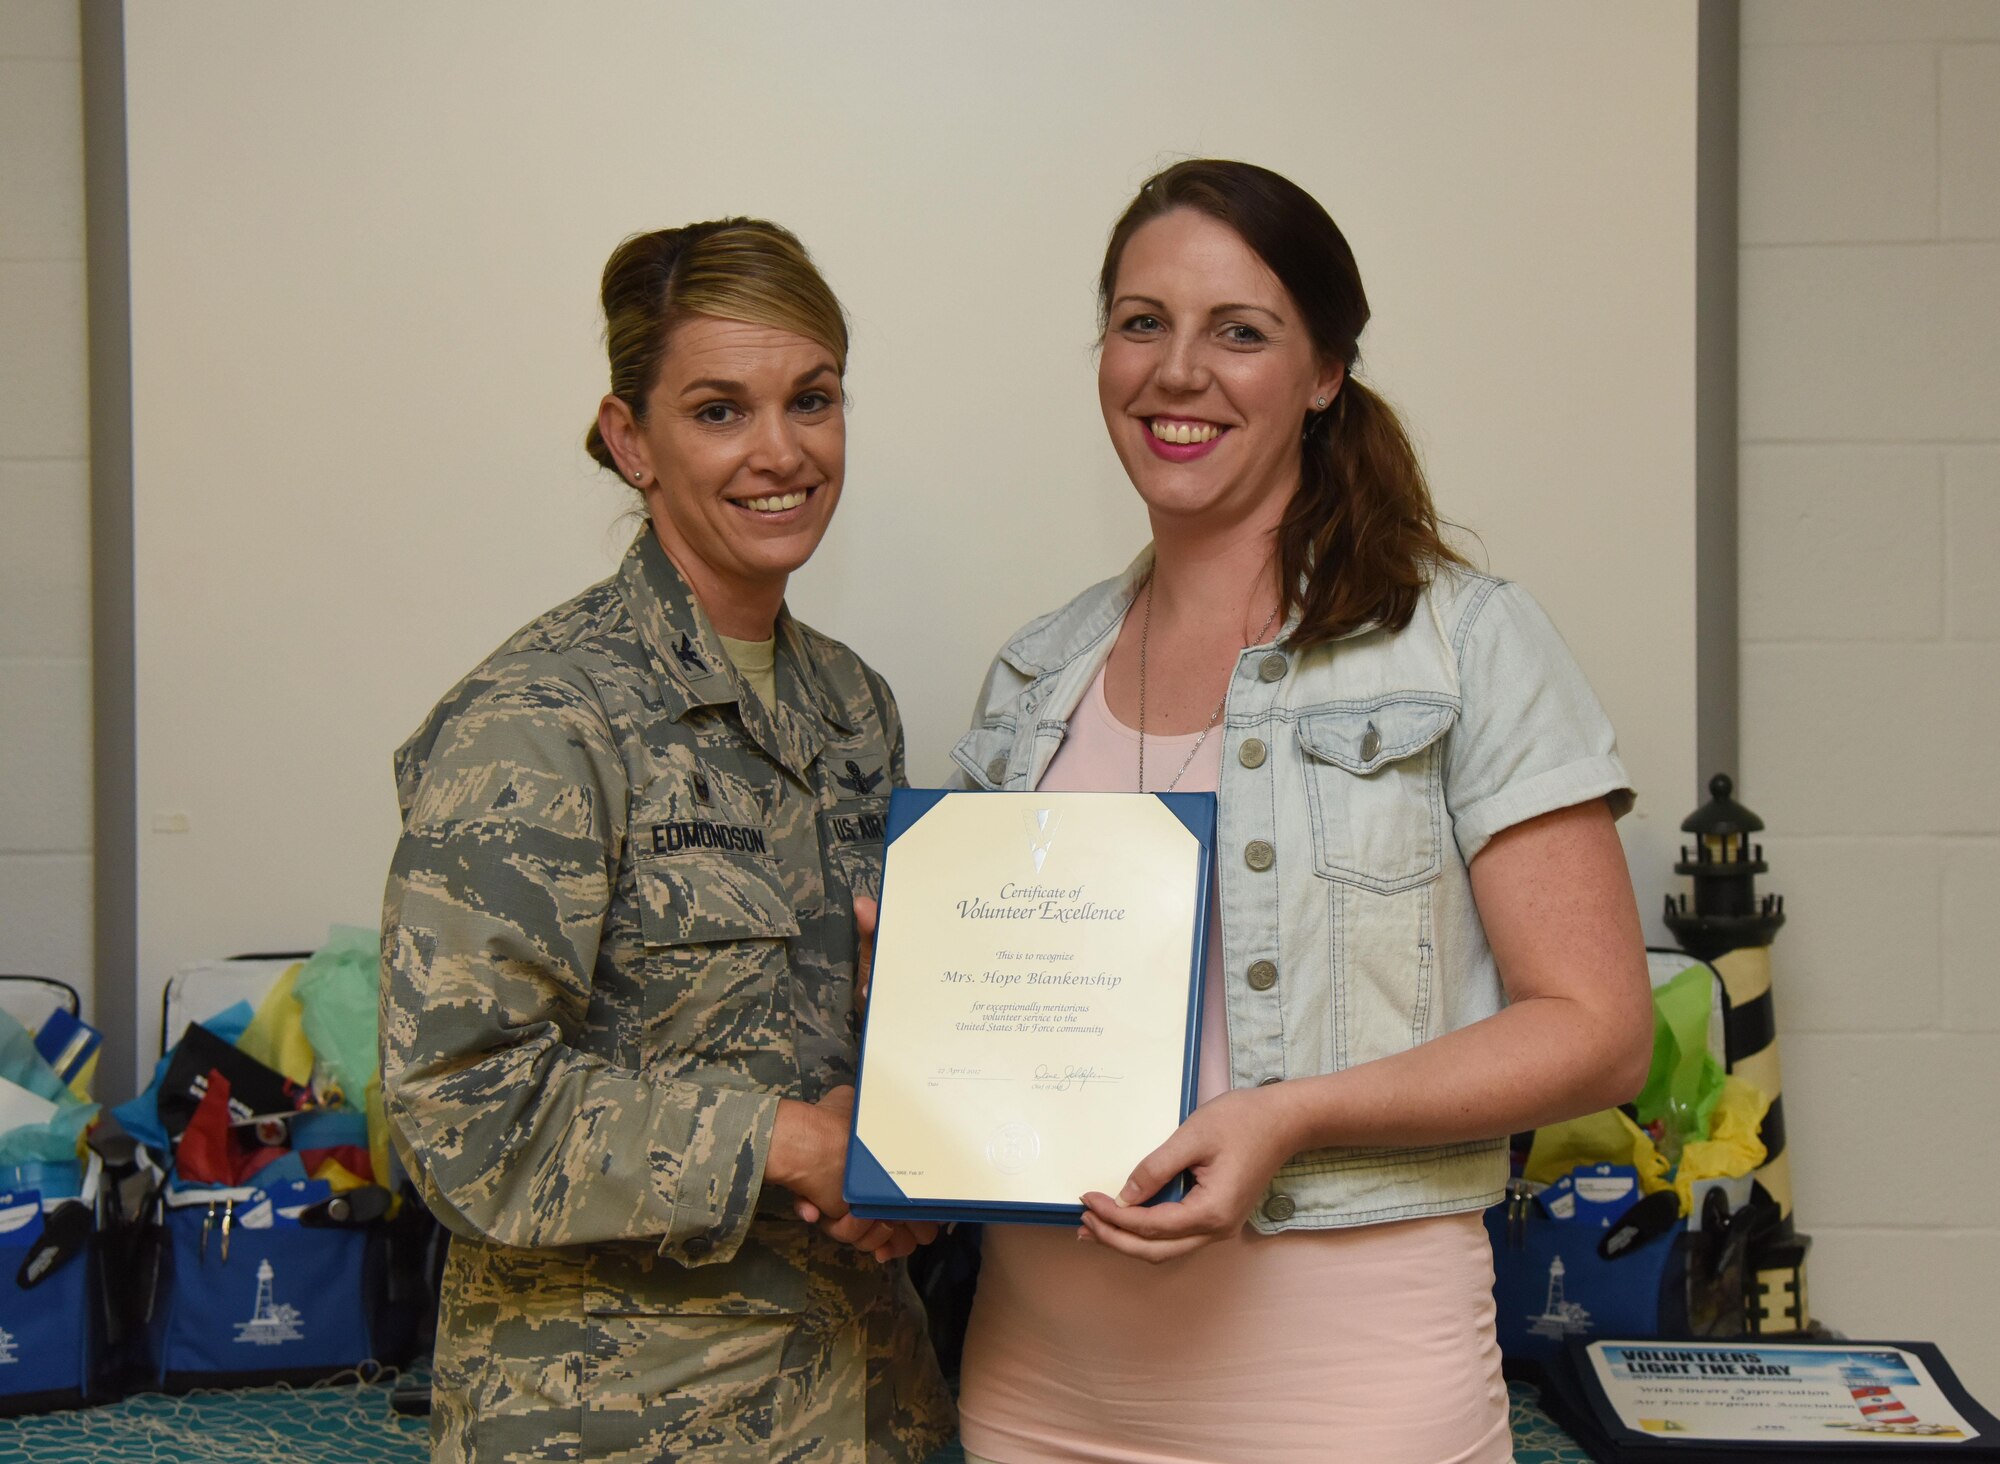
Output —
(1034, 1017)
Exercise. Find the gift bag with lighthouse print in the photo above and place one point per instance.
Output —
(248, 1290)
(49, 1297)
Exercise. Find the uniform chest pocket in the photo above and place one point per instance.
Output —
(714, 915)
(706, 894)
(1374, 791)
(713, 1004)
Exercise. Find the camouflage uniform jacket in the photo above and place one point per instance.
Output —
(619, 927)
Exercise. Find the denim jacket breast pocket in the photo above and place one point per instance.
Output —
(1375, 791)
(1375, 798)
(985, 752)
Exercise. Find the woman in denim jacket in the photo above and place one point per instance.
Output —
(1427, 937)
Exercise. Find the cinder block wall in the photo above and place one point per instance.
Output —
(1870, 544)
(45, 731)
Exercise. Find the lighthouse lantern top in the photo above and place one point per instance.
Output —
(1722, 815)
(1723, 862)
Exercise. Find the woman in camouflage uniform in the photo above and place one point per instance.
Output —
(619, 943)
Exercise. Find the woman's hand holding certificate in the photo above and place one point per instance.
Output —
(1229, 1146)
(885, 1241)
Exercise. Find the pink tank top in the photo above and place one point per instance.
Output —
(1371, 1342)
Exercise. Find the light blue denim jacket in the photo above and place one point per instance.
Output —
(1359, 779)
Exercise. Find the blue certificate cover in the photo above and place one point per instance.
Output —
(1034, 1020)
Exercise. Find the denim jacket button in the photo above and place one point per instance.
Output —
(996, 771)
(1259, 855)
(1251, 753)
(1273, 667)
(1371, 742)
(1263, 975)
(1280, 1208)
(1266, 1082)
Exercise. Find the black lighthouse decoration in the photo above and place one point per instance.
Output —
(1731, 926)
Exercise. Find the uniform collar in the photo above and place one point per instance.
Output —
(797, 644)
(695, 671)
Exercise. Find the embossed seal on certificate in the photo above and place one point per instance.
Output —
(1013, 1147)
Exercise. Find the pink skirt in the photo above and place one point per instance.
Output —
(1373, 1342)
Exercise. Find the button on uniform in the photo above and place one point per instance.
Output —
(697, 1246)
(1280, 1208)
(1259, 855)
(1251, 753)
(1263, 975)
(1273, 667)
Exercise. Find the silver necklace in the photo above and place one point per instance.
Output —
(1145, 634)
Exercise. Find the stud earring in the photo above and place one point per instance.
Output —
(1322, 404)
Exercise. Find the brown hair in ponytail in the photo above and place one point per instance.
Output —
(1360, 537)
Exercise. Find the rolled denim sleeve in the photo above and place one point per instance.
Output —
(1531, 736)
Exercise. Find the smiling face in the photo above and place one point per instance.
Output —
(1207, 373)
(740, 459)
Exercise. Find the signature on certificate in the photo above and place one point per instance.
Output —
(1051, 1078)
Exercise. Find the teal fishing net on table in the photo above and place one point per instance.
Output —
(350, 1419)
(336, 1422)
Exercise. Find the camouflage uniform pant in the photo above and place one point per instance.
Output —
(796, 1350)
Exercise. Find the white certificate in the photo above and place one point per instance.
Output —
(1769, 1392)
(1032, 1021)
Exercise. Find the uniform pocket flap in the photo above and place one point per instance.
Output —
(693, 895)
(760, 1280)
(1362, 739)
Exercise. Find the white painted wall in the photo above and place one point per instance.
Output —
(45, 731)
(365, 241)
(1870, 523)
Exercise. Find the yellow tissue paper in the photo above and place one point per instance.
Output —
(1610, 1137)
(276, 1036)
(1604, 1137)
(86, 1077)
(378, 1129)
(1733, 1145)
(338, 1176)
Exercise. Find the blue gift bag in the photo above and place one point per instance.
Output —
(276, 1301)
(1551, 1281)
(49, 1333)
